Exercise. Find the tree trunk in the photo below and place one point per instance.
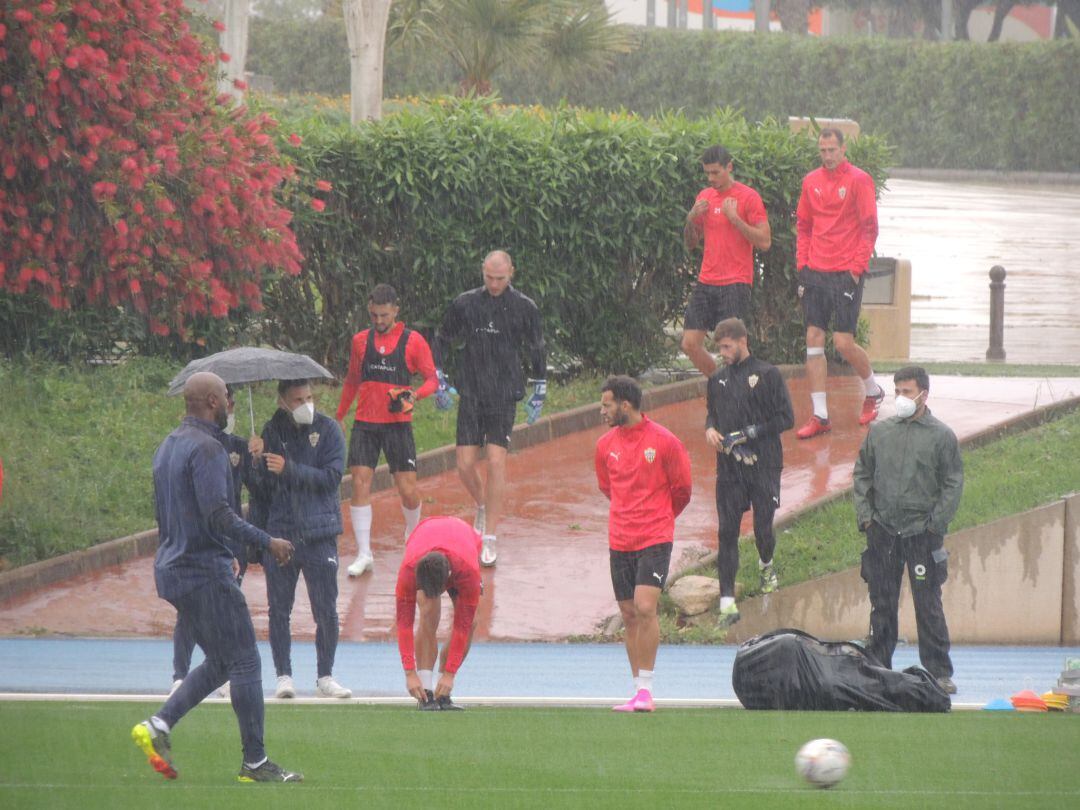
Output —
(964, 8)
(234, 42)
(794, 15)
(761, 16)
(1001, 11)
(365, 26)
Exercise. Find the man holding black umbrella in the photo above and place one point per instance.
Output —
(303, 459)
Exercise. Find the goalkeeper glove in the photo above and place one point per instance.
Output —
(729, 441)
(443, 394)
(535, 403)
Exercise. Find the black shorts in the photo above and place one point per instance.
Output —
(710, 303)
(394, 438)
(478, 426)
(828, 297)
(646, 566)
(757, 487)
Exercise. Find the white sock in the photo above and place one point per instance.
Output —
(259, 764)
(159, 724)
(412, 517)
(761, 563)
(644, 679)
(361, 526)
(870, 386)
(821, 410)
(489, 538)
(726, 602)
(426, 677)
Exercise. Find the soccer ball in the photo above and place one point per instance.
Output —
(822, 763)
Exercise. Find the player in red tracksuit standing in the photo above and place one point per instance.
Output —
(381, 365)
(443, 554)
(645, 472)
(836, 230)
(731, 218)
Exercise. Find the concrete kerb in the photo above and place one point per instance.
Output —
(1016, 424)
(38, 575)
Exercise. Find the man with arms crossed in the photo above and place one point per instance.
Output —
(195, 572)
(836, 230)
(748, 409)
(645, 472)
(908, 480)
(497, 325)
(381, 365)
(442, 555)
(732, 219)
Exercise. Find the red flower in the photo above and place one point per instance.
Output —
(318, 205)
(240, 84)
(219, 25)
(22, 15)
(295, 139)
(323, 185)
(224, 57)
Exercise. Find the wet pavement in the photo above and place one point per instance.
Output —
(552, 579)
(953, 233)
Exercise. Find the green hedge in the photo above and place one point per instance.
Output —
(949, 105)
(590, 205)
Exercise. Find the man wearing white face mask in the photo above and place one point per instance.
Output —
(303, 459)
(908, 480)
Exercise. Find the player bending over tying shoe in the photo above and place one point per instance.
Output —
(645, 472)
(443, 554)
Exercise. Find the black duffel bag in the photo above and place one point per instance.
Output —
(790, 669)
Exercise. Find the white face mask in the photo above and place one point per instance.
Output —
(905, 406)
(304, 414)
(230, 423)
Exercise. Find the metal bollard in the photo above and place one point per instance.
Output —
(997, 314)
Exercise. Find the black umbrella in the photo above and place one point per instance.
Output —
(250, 364)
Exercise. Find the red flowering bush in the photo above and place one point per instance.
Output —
(124, 179)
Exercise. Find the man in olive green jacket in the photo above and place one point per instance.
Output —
(908, 481)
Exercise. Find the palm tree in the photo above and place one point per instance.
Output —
(480, 36)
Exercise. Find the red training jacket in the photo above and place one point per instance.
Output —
(374, 403)
(461, 544)
(644, 471)
(729, 256)
(836, 220)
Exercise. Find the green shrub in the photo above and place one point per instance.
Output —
(590, 205)
(950, 105)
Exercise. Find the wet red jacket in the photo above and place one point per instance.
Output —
(644, 471)
(374, 401)
(461, 544)
(836, 220)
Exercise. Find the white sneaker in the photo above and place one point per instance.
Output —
(327, 687)
(285, 687)
(224, 691)
(480, 523)
(487, 552)
(362, 563)
(175, 686)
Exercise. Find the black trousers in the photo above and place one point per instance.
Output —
(760, 491)
(317, 560)
(883, 564)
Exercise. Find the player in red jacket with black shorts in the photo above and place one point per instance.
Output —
(836, 229)
(645, 472)
(443, 554)
(731, 217)
(381, 365)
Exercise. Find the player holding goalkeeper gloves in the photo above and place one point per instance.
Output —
(498, 328)
(748, 409)
(381, 365)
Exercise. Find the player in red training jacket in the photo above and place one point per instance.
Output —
(836, 229)
(381, 365)
(443, 554)
(645, 472)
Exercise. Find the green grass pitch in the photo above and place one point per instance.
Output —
(79, 755)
